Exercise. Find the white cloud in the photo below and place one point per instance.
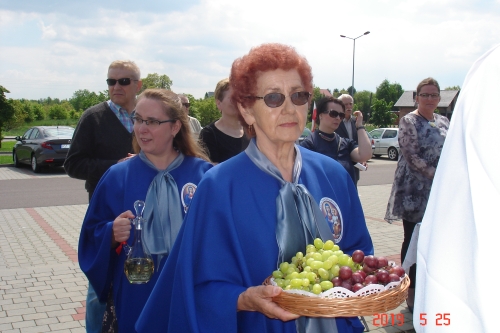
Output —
(54, 51)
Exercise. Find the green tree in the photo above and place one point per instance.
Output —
(38, 111)
(6, 110)
(18, 116)
(204, 109)
(452, 88)
(362, 102)
(381, 113)
(389, 92)
(84, 99)
(58, 112)
(156, 81)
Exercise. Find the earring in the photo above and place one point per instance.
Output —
(250, 128)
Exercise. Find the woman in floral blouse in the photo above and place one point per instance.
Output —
(421, 138)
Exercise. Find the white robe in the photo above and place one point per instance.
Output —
(459, 240)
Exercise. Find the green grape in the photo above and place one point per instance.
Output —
(334, 259)
(318, 243)
(326, 254)
(277, 274)
(343, 259)
(310, 249)
(316, 264)
(306, 283)
(284, 267)
(328, 245)
(296, 283)
(299, 255)
(288, 287)
(293, 275)
(280, 283)
(335, 270)
(350, 263)
(323, 273)
(327, 264)
(309, 261)
(309, 255)
(325, 285)
(294, 260)
(316, 289)
(336, 248)
(287, 282)
(302, 275)
(338, 253)
(307, 269)
(317, 256)
(311, 276)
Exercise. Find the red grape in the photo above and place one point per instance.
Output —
(371, 261)
(357, 287)
(358, 256)
(345, 272)
(336, 281)
(371, 279)
(346, 285)
(367, 269)
(397, 270)
(382, 262)
(358, 277)
(363, 274)
(393, 277)
(382, 276)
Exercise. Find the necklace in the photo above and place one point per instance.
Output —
(327, 138)
(432, 122)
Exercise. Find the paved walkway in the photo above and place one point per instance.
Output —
(42, 288)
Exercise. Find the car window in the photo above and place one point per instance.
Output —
(27, 134)
(35, 134)
(376, 133)
(59, 131)
(389, 134)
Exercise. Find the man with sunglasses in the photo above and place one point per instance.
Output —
(102, 138)
(326, 141)
(195, 124)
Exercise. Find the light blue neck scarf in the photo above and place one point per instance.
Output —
(298, 222)
(162, 210)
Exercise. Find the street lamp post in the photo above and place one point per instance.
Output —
(353, 53)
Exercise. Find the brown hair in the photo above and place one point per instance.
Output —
(264, 58)
(428, 82)
(221, 88)
(322, 104)
(183, 140)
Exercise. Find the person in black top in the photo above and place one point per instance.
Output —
(325, 141)
(225, 137)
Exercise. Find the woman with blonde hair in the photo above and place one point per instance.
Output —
(167, 163)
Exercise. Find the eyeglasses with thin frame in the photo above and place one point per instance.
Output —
(274, 100)
(431, 96)
(187, 105)
(335, 114)
(122, 82)
(150, 122)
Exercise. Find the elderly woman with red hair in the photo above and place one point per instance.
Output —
(255, 211)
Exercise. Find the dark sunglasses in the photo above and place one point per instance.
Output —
(122, 82)
(186, 104)
(335, 114)
(274, 100)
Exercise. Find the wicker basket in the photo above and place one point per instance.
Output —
(344, 307)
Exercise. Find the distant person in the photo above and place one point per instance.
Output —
(225, 137)
(458, 241)
(103, 137)
(327, 142)
(169, 163)
(422, 134)
(348, 128)
(195, 124)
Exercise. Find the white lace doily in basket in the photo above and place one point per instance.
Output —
(339, 292)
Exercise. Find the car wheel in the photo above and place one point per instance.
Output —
(392, 153)
(34, 165)
(377, 155)
(16, 161)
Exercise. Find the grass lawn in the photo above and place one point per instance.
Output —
(48, 122)
(7, 146)
(6, 159)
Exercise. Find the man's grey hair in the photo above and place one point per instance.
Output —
(341, 97)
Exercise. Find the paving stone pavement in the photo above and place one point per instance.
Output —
(42, 288)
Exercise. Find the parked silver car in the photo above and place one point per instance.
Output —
(386, 142)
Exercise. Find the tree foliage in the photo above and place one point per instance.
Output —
(452, 88)
(389, 92)
(362, 102)
(84, 99)
(204, 109)
(6, 110)
(381, 115)
(156, 81)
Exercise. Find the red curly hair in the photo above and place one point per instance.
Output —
(264, 58)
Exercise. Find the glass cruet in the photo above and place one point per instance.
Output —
(139, 265)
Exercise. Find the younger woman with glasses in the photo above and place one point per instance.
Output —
(168, 165)
(331, 112)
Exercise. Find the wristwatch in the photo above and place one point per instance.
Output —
(360, 127)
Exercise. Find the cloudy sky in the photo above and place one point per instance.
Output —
(56, 47)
